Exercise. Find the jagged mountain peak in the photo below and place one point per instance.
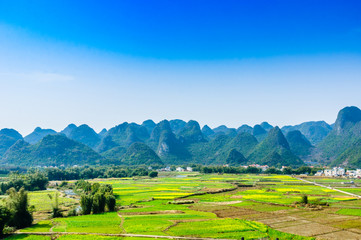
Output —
(347, 115)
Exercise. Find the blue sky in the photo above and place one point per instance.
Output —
(218, 62)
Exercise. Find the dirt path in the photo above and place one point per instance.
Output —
(122, 223)
(114, 235)
(320, 185)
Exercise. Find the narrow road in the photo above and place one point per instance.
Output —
(320, 185)
(114, 235)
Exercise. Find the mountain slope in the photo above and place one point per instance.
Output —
(351, 157)
(85, 135)
(192, 133)
(299, 144)
(38, 134)
(139, 154)
(259, 132)
(315, 132)
(52, 150)
(245, 128)
(235, 158)
(346, 131)
(266, 126)
(8, 137)
(275, 142)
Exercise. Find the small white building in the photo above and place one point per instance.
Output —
(189, 169)
(328, 172)
(334, 172)
(319, 173)
(358, 173)
(179, 169)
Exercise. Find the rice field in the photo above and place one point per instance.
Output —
(255, 206)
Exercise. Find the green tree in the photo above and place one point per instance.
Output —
(86, 203)
(4, 218)
(55, 205)
(110, 202)
(17, 202)
(98, 203)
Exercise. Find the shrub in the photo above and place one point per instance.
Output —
(73, 212)
(304, 199)
(153, 174)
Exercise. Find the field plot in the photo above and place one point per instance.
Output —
(218, 206)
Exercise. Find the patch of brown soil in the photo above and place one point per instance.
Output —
(309, 230)
(340, 235)
(234, 212)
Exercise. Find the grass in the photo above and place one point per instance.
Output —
(350, 212)
(146, 209)
(28, 237)
(228, 228)
(96, 223)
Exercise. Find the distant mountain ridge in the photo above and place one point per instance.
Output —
(180, 142)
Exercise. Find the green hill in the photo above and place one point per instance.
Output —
(149, 125)
(275, 142)
(346, 131)
(266, 126)
(299, 144)
(192, 133)
(225, 130)
(85, 135)
(351, 157)
(207, 131)
(126, 134)
(114, 155)
(139, 154)
(259, 133)
(8, 137)
(38, 134)
(66, 131)
(177, 125)
(235, 158)
(52, 150)
(245, 128)
(315, 132)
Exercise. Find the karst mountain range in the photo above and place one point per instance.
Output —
(176, 142)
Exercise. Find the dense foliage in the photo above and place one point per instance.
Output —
(95, 198)
(31, 181)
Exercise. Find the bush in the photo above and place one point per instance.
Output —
(304, 199)
(153, 174)
(63, 184)
(73, 212)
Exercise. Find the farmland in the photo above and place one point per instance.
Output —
(210, 206)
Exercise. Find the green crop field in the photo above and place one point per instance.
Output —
(213, 206)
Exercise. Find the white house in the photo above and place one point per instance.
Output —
(328, 172)
(179, 169)
(189, 169)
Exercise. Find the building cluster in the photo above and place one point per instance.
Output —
(263, 167)
(339, 172)
(178, 169)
